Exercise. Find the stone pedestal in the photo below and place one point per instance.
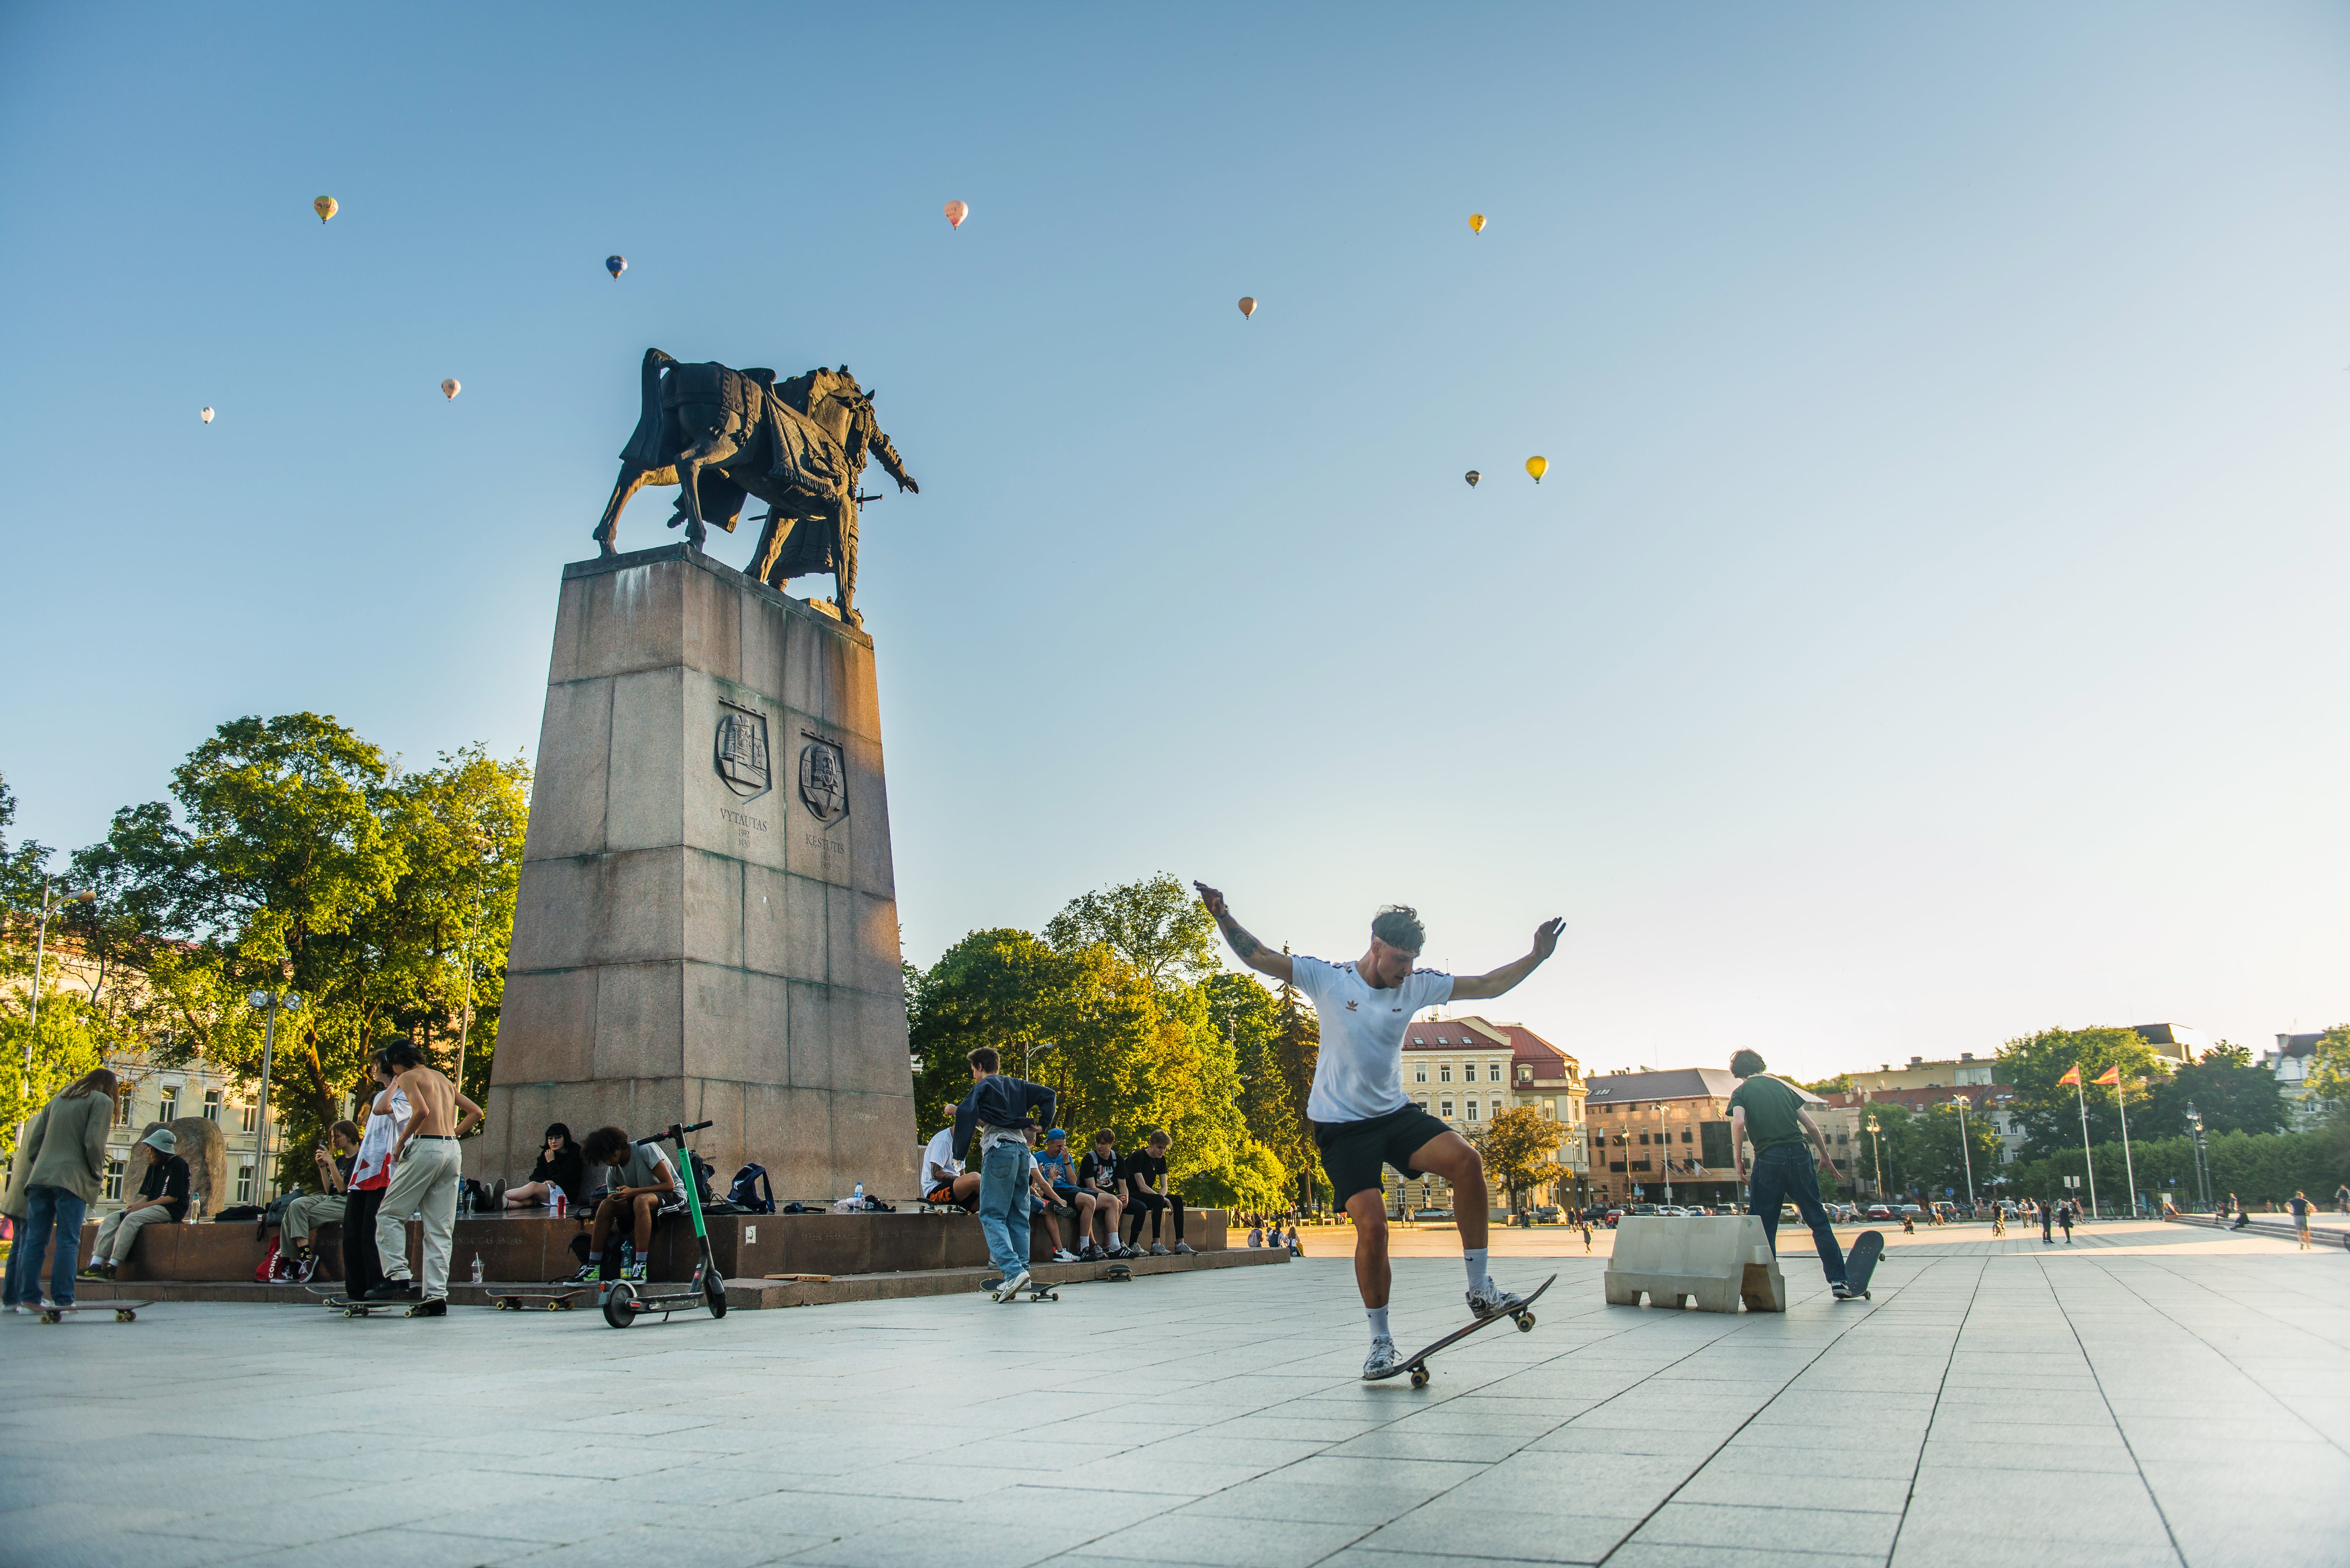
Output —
(707, 924)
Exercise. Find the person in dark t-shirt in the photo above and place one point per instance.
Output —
(1142, 1175)
(1097, 1172)
(1769, 1112)
(163, 1199)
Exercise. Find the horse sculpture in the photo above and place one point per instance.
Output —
(720, 435)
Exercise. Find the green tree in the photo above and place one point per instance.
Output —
(2329, 1065)
(1517, 1147)
(2048, 1110)
(1839, 1084)
(2226, 1089)
(1156, 925)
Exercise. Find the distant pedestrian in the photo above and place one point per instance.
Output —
(2301, 1218)
(2065, 1218)
(2342, 1198)
(1998, 1221)
(1586, 1223)
(60, 1163)
(2047, 1224)
(2243, 1215)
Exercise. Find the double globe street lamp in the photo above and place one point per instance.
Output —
(269, 1004)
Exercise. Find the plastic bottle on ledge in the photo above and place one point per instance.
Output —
(860, 1195)
(477, 1268)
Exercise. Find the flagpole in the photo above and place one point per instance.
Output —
(2087, 1159)
(2128, 1169)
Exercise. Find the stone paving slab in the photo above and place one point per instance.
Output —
(2152, 1394)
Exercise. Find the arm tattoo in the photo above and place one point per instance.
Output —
(1247, 946)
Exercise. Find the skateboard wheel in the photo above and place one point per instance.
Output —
(53, 1317)
(126, 1315)
(1420, 1377)
(1526, 1323)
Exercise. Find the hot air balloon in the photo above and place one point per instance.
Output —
(1537, 466)
(616, 265)
(206, 415)
(1248, 304)
(956, 212)
(1472, 476)
(1476, 223)
(450, 387)
(325, 206)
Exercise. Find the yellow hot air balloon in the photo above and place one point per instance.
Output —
(206, 415)
(325, 206)
(1248, 304)
(1476, 223)
(1537, 466)
(450, 387)
(956, 212)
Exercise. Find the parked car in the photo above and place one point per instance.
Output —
(1611, 1217)
(1882, 1211)
(1431, 1213)
(1546, 1215)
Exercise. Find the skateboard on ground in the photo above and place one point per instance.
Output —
(124, 1311)
(1119, 1273)
(351, 1307)
(552, 1298)
(1860, 1263)
(1417, 1363)
(1034, 1290)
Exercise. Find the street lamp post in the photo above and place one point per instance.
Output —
(1877, 1152)
(2202, 1172)
(1964, 1151)
(269, 1003)
(1028, 1055)
(40, 953)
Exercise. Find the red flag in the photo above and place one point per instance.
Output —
(2072, 1075)
(2113, 1076)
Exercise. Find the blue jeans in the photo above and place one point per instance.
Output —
(49, 1210)
(1783, 1175)
(1004, 1206)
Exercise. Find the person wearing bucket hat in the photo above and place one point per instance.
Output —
(162, 1199)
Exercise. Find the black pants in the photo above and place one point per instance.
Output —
(362, 1268)
(1150, 1203)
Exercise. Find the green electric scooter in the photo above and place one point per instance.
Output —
(623, 1300)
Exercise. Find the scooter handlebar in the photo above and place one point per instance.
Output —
(675, 1132)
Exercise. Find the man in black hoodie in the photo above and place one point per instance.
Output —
(996, 1115)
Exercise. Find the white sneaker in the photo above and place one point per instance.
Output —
(1012, 1286)
(1383, 1359)
(1491, 1299)
(1065, 1256)
(1184, 1248)
(1159, 1249)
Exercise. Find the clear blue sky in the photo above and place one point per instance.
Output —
(1931, 629)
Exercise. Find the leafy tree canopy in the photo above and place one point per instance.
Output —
(2226, 1089)
(2049, 1111)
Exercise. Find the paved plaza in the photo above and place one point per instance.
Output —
(2152, 1394)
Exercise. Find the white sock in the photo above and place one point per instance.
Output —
(1379, 1317)
(1475, 1258)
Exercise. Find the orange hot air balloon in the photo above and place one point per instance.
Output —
(1476, 223)
(326, 208)
(1537, 466)
(956, 212)
(1248, 304)
(451, 388)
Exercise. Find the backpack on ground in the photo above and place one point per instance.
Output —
(751, 1192)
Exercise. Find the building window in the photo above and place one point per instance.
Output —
(1473, 1110)
(212, 1104)
(1444, 1073)
(122, 1107)
(167, 1106)
(1685, 1135)
(1525, 1074)
(1447, 1111)
(1492, 1071)
(1419, 1072)
(248, 1117)
(113, 1193)
(1549, 1113)
(1644, 1138)
(245, 1184)
(1418, 1041)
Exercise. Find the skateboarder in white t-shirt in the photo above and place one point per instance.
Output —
(1361, 1117)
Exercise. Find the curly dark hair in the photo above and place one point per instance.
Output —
(1398, 926)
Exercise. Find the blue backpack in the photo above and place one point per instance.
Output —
(752, 1191)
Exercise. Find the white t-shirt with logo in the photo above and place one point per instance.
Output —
(940, 1152)
(1359, 1074)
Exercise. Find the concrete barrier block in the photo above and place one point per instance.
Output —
(1718, 1263)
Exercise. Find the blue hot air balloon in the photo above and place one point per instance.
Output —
(616, 265)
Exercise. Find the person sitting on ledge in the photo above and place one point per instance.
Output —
(1098, 1174)
(297, 1260)
(1144, 1173)
(1063, 1194)
(162, 1199)
(642, 1184)
(561, 1167)
(944, 1180)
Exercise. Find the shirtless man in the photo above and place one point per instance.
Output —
(1361, 1117)
(426, 1166)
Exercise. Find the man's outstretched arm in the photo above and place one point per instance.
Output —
(1251, 952)
(1475, 987)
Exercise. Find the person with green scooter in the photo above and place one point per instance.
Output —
(627, 1299)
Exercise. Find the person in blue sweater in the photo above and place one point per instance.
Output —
(996, 1115)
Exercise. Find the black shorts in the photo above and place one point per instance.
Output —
(1353, 1152)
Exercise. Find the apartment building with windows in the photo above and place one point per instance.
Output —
(1467, 1071)
(1663, 1137)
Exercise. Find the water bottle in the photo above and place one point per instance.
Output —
(465, 1201)
(860, 1195)
(477, 1268)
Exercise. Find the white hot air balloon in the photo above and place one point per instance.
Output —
(204, 414)
(451, 388)
(956, 212)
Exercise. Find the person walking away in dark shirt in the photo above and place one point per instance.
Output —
(1769, 1112)
(996, 1117)
(162, 1199)
(2300, 1207)
(2065, 1218)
